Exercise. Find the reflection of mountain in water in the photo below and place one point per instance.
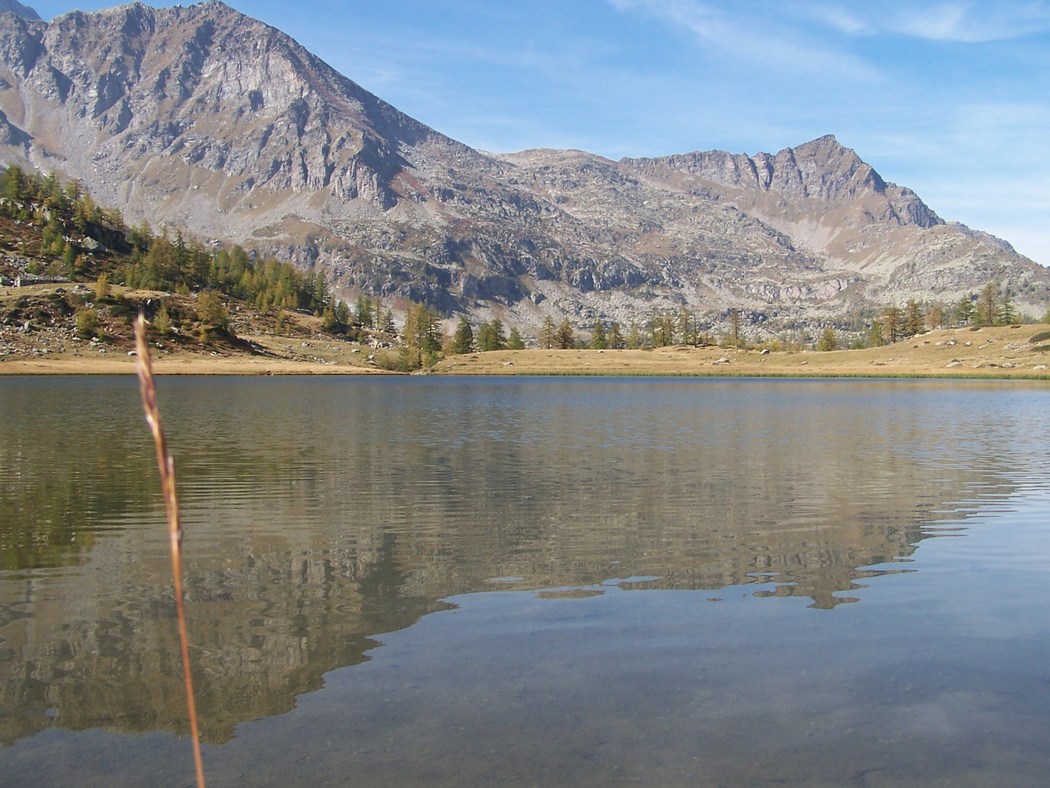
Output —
(262, 634)
(360, 507)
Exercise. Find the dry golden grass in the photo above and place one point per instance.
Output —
(177, 364)
(996, 352)
(166, 467)
(988, 352)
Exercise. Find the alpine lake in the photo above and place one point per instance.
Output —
(529, 581)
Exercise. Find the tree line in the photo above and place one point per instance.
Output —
(992, 306)
(424, 345)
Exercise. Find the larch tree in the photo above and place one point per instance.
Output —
(548, 333)
(490, 336)
(599, 341)
(463, 338)
(988, 305)
(892, 323)
(514, 341)
(828, 340)
(914, 319)
(566, 338)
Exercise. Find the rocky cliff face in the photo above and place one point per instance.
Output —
(205, 119)
(16, 8)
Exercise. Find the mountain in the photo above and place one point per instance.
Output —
(204, 119)
(16, 8)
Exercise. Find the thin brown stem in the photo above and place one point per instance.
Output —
(166, 466)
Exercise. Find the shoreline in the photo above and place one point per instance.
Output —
(180, 366)
(993, 353)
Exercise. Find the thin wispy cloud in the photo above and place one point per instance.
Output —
(962, 22)
(755, 34)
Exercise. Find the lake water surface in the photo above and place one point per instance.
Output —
(529, 582)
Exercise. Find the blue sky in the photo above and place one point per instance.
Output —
(951, 99)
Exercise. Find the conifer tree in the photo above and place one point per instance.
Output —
(162, 320)
(734, 326)
(1006, 309)
(102, 288)
(565, 337)
(828, 340)
(211, 312)
(988, 305)
(913, 318)
(875, 336)
(891, 323)
(463, 338)
(365, 315)
(548, 333)
(490, 336)
(962, 312)
(514, 341)
(634, 337)
(342, 314)
(420, 340)
(86, 321)
(686, 327)
(599, 341)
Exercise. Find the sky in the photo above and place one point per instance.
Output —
(950, 99)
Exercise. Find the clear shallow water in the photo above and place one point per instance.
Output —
(530, 582)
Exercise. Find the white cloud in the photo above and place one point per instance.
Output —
(963, 22)
(756, 35)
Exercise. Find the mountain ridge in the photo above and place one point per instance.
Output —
(205, 119)
(14, 7)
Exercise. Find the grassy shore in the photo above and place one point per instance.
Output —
(1000, 352)
(1021, 352)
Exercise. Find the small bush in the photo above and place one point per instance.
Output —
(86, 322)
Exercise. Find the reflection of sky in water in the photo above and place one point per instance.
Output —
(482, 527)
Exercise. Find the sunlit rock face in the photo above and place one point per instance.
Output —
(203, 119)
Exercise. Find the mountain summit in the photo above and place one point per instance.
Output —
(16, 8)
(204, 119)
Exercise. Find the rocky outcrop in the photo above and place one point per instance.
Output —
(822, 170)
(204, 119)
(16, 8)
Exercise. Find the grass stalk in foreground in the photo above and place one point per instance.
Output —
(171, 504)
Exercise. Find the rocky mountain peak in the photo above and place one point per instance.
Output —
(828, 170)
(822, 169)
(818, 177)
(215, 92)
(16, 8)
(207, 120)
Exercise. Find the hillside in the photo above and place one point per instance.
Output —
(73, 277)
(204, 120)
